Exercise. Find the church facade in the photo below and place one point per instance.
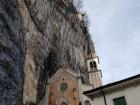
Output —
(65, 87)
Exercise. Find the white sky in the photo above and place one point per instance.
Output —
(115, 30)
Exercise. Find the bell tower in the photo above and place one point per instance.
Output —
(94, 70)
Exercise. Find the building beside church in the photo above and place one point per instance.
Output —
(124, 92)
(66, 87)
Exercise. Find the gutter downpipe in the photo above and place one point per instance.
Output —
(104, 97)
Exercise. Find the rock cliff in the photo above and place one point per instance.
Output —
(11, 54)
(54, 36)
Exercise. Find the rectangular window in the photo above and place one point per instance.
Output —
(119, 101)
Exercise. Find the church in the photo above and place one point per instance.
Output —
(65, 87)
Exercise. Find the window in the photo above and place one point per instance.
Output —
(87, 102)
(51, 97)
(63, 103)
(93, 64)
(119, 101)
(63, 87)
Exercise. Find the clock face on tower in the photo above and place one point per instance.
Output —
(93, 64)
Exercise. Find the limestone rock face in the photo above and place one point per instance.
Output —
(11, 54)
(54, 36)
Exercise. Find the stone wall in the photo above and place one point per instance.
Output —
(54, 36)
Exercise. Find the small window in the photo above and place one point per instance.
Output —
(63, 103)
(119, 101)
(63, 87)
(87, 102)
(93, 64)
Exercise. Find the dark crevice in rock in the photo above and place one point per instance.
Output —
(49, 67)
(51, 62)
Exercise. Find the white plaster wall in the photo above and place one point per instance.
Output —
(85, 88)
(132, 96)
(86, 98)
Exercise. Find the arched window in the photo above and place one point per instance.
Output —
(87, 102)
(63, 103)
(93, 64)
(51, 97)
(80, 103)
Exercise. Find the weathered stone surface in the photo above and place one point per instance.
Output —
(11, 54)
(54, 37)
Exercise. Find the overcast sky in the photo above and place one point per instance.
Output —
(115, 30)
